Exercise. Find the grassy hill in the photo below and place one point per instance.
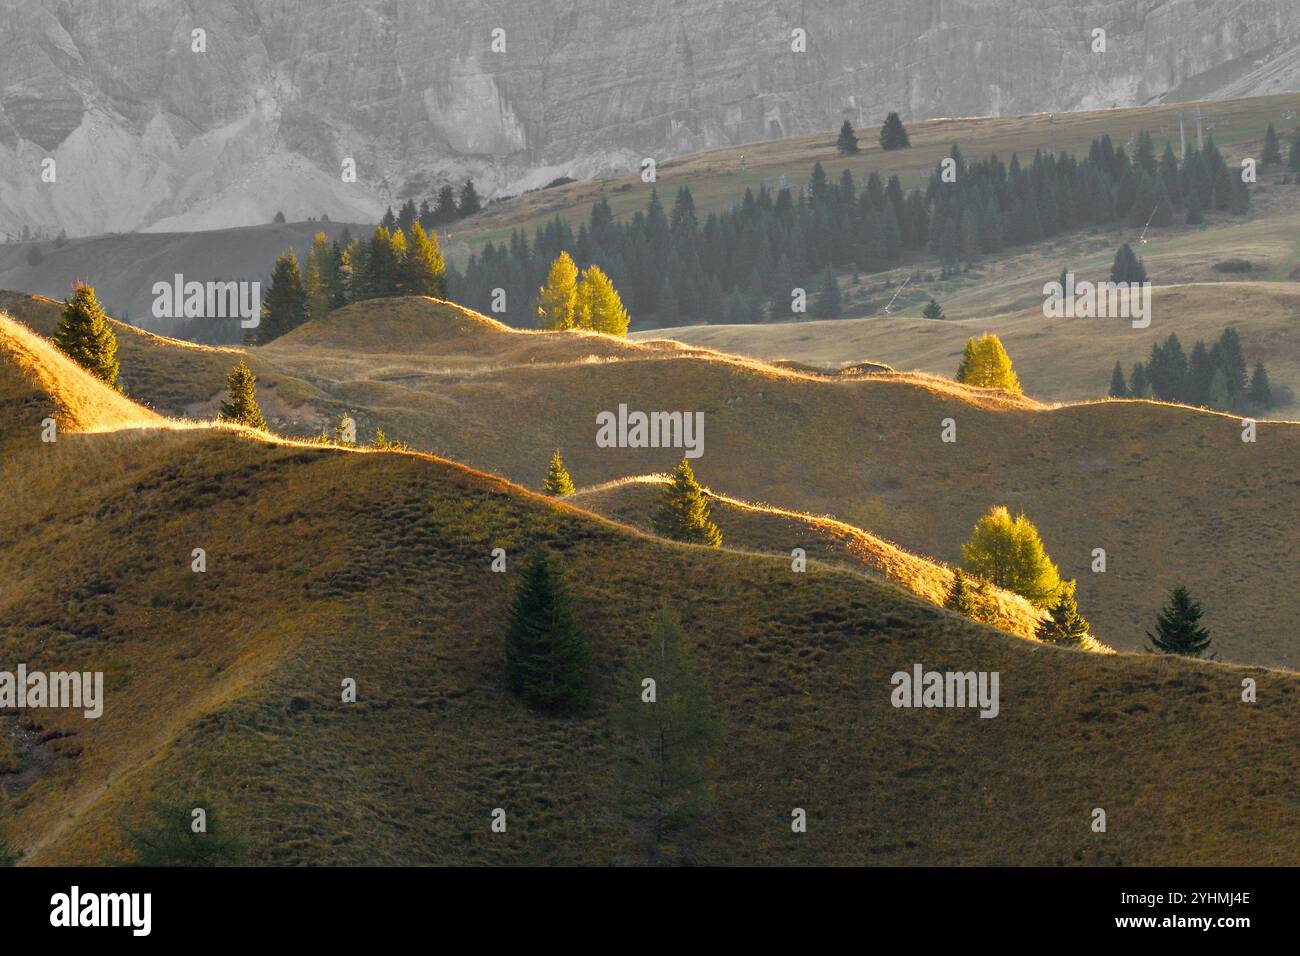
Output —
(754, 527)
(1058, 360)
(323, 564)
(718, 178)
(1172, 494)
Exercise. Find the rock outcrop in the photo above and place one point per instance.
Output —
(148, 133)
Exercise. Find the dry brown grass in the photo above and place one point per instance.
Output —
(1171, 493)
(223, 688)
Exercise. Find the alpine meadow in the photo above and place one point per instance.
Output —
(719, 434)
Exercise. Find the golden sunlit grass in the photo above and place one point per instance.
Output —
(1172, 494)
(224, 687)
(763, 528)
(1057, 359)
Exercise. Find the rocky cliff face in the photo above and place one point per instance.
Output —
(147, 133)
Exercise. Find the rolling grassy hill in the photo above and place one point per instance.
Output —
(754, 527)
(1058, 360)
(324, 564)
(1172, 494)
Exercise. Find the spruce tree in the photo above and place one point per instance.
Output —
(241, 406)
(548, 659)
(1139, 386)
(893, 135)
(1118, 388)
(284, 303)
(828, 297)
(959, 597)
(85, 336)
(558, 482)
(469, 201)
(557, 300)
(1177, 627)
(1064, 625)
(683, 512)
(1127, 267)
(1293, 159)
(1219, 399)
(1194, 215)
(847, 143)
(1232, 360)
(667, 737)
(1261, 392)
(168, 838)
(932, 310)
(1272, 155)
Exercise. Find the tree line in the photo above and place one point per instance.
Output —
(1210, 377)
(740, 265)
(391, 262)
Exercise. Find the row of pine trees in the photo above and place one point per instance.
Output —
(741, 264)
(1211, 377)
(390, 262)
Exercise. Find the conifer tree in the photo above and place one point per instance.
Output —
(422, 270)
(1008, 553)
(322, 279)
(828, 297)
(683, 512)
(1232, 360)
(1127, 267)
(959, 597)
(668, 733)
(1139, 386)
(1261, 392)
(1293, 159)
(557, 300)
(382, 264)
(1220, 400)
(1272, 155)
(1177, 627)
(1064, 625)
(847, 143)
(558, 482)
(284, 303)
(1194, 215)
(932, 310)
(168, 837)
(985, 364)
(893, 135)
(469, 201)
(599, 306)
(85, 336)
(1118, 388)
(240, 405)
(548, 659)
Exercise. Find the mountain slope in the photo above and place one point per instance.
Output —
(158, 135)
(865, 449)
(324, 564)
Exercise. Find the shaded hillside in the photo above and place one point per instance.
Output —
(753, 527)
(223, 688)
